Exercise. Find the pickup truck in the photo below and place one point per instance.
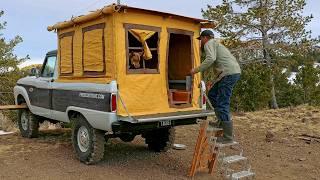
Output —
(90, 81)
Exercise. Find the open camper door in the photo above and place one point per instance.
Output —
(180, 60)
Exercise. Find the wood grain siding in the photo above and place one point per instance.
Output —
(62, 99)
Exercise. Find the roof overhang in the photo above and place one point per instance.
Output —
(113, 8)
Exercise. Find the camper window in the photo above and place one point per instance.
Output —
(66, 53)
(142, 44)
(93, 49)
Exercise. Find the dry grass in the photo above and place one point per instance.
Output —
(302, 119)
(7, 124)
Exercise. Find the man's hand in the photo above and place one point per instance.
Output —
(192, 71)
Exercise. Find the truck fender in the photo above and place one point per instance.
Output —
(19, 90)
(97, 119)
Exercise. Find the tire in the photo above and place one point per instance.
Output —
(160, 140)
(127, 137)
(91, 149)
(28, 124)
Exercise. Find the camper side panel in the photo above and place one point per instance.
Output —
(146, 93)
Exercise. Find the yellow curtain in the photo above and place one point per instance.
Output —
(66, 55)
(142, 36)
(93, 51)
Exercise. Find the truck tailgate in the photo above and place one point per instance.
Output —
(168, 116)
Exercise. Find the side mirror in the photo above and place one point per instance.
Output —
(34, 72)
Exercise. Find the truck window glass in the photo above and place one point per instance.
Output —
(48, 69)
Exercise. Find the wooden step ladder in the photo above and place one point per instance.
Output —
(208, 153)
(205, 155)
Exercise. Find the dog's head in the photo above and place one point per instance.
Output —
(135, 58)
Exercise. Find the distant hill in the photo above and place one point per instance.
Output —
(26, 70)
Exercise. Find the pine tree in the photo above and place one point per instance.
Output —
(9, 71)
(277, 26)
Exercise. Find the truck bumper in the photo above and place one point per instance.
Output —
(168, 116)
(140, 124)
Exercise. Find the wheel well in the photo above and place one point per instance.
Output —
(20, 99)
(73, 114)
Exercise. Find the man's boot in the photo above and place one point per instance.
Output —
(227, 127)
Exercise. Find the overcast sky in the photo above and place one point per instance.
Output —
(30, 18)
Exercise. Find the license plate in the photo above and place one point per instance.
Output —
(165, 123)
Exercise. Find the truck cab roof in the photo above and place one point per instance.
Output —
(52, 53)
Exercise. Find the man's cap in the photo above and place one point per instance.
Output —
(206, 33)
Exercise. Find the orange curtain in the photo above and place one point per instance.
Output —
(66, 55)
(142, 36)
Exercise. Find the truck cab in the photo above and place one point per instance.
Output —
(37, 87)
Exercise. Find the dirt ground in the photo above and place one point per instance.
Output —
(282, 155)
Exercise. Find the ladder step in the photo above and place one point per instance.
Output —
(233, 159)
(214, 129)
(221, 145)
(242, 174)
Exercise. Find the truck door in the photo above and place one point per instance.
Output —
(43, 87)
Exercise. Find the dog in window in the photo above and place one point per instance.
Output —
(135, 58)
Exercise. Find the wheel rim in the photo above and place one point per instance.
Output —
(83, 139)
(24, 121)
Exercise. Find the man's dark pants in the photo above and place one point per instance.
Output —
(220, 94)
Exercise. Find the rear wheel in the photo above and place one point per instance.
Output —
(160, 140)
(126, 137)
(28, 124)
(87, 141)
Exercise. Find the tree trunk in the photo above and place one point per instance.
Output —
(274, 103)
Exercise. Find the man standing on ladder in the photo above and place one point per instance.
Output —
(228, 73)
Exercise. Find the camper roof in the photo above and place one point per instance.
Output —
(122, 8)
(165, 14)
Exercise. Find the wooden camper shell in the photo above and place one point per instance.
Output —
(108, 27)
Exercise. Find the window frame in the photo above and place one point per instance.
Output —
(91, 28)
(67, 34)
(44, 66)
(127, 27)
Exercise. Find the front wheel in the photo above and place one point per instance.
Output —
(87, 141)
(28, 124)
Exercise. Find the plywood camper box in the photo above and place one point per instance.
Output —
(96, 48)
